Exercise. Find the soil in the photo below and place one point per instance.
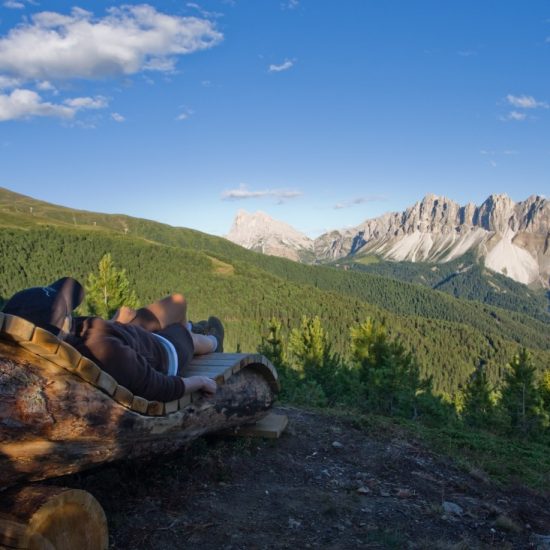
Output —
(326, 483)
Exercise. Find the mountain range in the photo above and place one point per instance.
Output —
(509, 238)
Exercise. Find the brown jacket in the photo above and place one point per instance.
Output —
(130, 354)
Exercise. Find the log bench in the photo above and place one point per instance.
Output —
(60, 414)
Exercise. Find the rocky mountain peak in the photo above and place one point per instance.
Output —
(259, 231)
(496, 213)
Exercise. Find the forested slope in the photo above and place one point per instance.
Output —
(465, 278)
(246, 296)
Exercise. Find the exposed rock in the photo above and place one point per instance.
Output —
(452, 509)
(511, 238)
(262, 233)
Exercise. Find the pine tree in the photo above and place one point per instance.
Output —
(108, 290)
(308, 343)
(521, 399)
(322, 371)
(478, 409)
(272, 344)
(389, 374)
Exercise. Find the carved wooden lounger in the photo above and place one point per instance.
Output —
(60, 413)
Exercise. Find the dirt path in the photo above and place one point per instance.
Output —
(324, 484)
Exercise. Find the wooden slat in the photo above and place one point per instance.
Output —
(214, 374)
(211, 358)
(232, 359)
(46, 340)
(217, 358)
(17, 329)
(171, 406)
(88, 370)
(123, 396)
(42, 342)
(225, 356)
(107, 383)
(207, 369)
(219, 379)
(66, 356)
(271, 427)
(139, 404)
(155, 408)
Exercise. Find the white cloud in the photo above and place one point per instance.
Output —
(128, 40)
(12, 4)
(515, 115)
(243, 193)
(27, 103)
(117, 117)
(22, 103)
(358, 200)
(505, 152)
(98, 102)
(282, 67)
(203, 12)
(8, 82)
(525, 102)
(46, 86)
(290, 4)
(185, 113)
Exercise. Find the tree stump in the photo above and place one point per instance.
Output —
(52, 518)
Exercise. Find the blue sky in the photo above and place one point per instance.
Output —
(320, 113)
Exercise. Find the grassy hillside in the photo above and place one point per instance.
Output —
(246, 289)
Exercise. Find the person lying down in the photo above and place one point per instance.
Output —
(145, 350)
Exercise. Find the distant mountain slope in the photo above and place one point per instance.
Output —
(464, 278)
(512, 239)
(247, 288)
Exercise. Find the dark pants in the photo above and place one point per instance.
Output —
(176, 333)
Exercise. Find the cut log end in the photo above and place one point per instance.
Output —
(46, 518)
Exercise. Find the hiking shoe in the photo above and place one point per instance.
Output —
(215, 327)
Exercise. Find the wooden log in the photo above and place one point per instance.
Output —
(58, 418)
(52, 518)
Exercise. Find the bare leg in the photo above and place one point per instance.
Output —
(202, 344)
(124, 315)
(170, 310)
(167, 311)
